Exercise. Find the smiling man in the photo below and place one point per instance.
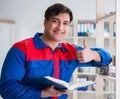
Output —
(56, 28)
(45, 55)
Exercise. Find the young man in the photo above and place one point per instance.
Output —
(45, 55)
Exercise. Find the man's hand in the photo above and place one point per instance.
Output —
(87, 55)
(51, 92)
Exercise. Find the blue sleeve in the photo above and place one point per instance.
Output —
(105, 58)
(13, 71)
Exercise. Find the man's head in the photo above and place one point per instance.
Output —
(56, 23)
(56, 9)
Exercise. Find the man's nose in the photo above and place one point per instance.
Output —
(60, 26)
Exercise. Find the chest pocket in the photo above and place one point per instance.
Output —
(37, 68)
(67, 68)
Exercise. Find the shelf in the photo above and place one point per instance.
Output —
(86, 37)
(109, 17)
(96, 74)
(87, 74)
(107, 77)
(107, 92)
(93, 92)
(86, 92)
(70, 37)
(7, 21)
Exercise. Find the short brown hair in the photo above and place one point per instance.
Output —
(56, 9)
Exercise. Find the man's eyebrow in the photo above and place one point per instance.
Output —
(59, 20)
(55, 18)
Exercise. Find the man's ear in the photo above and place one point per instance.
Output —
(45, 21)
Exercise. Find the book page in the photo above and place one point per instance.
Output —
(72, 85)
(76, 85)
(61, 82)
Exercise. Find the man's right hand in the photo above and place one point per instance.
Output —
(51, 92)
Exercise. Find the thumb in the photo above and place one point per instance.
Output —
(84, 43)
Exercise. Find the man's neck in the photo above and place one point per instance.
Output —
(50, 43)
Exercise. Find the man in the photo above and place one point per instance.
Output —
(45, 55)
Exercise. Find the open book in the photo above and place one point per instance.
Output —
(58, 84)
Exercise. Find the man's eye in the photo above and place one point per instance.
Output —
(66, 23)
(55, 21)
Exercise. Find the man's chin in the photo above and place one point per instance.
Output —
(58, 40)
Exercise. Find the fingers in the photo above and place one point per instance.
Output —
(79, 56)
(55, 92)
(52, 92)
(82, 55)
(84, 43)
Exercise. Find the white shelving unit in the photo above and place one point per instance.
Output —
(117, 49)
(101, 91)
(111, 42)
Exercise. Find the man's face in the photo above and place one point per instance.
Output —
(56, 28)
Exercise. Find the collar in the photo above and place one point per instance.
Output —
(40, 44)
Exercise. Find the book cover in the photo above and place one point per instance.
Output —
(58, 84)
